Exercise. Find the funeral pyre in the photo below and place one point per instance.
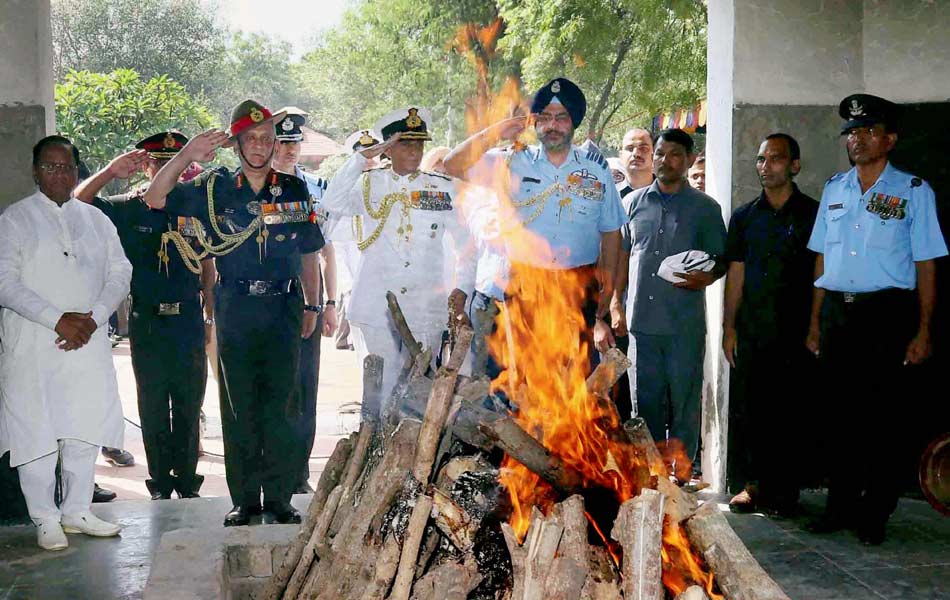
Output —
(455, 493)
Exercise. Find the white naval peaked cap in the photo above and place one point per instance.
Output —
(684, 262)
(412, 121)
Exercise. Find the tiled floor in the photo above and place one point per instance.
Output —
(914, 563)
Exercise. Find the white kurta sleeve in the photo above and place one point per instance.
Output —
(13, 294)
(342, 197)
(464, 245)
(118, 275)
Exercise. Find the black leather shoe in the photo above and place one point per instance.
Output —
(871, 533)
(239, 515)
(283, 512)
(101, 494)
(304, 488)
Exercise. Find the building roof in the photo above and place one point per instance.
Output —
(317, 144)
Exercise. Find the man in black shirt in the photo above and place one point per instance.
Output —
(765, 322)
(265, 238)
(165, 327)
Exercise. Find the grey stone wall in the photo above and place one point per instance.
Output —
(20, 128)
(816, 128)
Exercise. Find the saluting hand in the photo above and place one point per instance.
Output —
(125, 165)
(510, 128)
(203, 146)
(374, 151)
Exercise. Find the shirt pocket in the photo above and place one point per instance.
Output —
(834, 225)
(886, 234)
(642, 230)
(586, 211)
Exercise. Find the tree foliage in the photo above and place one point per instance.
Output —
(177, 38)
(385, 55)
(105, 114)
(632, 58)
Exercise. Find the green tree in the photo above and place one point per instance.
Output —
(177, 38)
(105, 114)
(255, 67)
(385, 55)
(632, 58)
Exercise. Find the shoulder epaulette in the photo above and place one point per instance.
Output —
(439, 175)
(835, 177)
(204, 176)
(597, 157)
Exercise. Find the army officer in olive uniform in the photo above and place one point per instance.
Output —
(265, 240)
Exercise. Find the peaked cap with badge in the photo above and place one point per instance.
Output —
(163, 145)
(361, 140)
(288, 128)
(865, 110)
(412, 122)
(246, 115)
(565, 92)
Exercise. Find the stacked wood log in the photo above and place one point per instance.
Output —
(386, 520)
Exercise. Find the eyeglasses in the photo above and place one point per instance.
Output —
(52, 168)
(545, 118)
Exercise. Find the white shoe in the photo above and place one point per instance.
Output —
(89, 524)
(50, 536)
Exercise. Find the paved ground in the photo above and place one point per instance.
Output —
(340, 385)
(913, 564)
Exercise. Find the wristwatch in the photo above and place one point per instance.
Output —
(312, 308)
(209, 321)
(330, 303)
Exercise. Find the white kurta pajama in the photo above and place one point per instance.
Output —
(408, 264)
(54, 260)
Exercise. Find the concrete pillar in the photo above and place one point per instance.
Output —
(26, 94)
(784, 66)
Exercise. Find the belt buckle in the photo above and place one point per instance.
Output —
(849, 297)
(257, 288)
(169, 309)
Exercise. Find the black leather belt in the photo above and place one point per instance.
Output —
(168, 309)
(257, 287)
(860, 297)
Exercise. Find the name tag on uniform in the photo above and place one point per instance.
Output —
(583, 184)
(837, 206)
(276, 213)
(142, 229)
(430, 200)
(887, 207)
(186, 227)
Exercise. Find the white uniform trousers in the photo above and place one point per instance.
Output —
(386, 343)
(38, 481)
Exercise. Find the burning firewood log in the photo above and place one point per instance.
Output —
(328, 480)
(680, 504)
(738, 574)
(639, 529)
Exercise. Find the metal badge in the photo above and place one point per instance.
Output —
(276, 190)
(254, 207)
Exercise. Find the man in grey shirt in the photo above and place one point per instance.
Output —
(667, 321)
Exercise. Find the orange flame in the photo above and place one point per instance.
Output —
(542, 345)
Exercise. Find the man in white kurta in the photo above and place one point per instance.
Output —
(62, 273)
(404, 214)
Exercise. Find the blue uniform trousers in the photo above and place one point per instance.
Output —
(666, 381)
